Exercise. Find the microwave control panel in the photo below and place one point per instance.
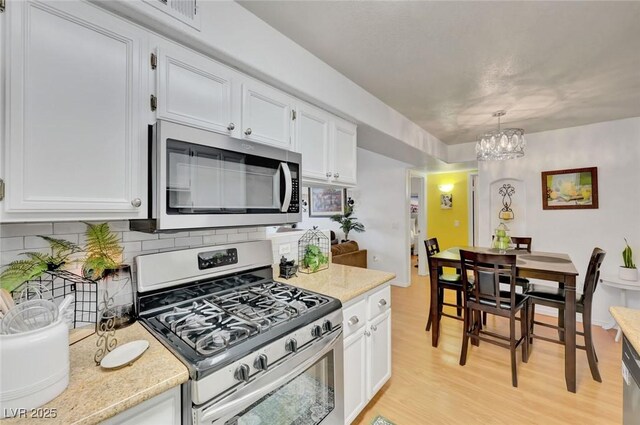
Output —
(294, 205)
(222, 257)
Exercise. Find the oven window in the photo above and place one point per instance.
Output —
(207, 180)
(305, 400)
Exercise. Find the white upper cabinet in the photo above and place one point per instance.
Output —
(312, 141)
(75, 136)
(193, 89)
(266, 115)
(343, 152)
(328, 146)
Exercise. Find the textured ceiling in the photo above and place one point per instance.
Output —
(448, 66)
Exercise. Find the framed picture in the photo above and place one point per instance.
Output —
(325, 202)
(576, 188)
(446, 201)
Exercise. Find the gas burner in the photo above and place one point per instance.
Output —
(258, 308)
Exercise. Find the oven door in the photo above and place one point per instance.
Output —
(205, 179)
(305, 389)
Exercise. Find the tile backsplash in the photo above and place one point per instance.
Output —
(16, 238)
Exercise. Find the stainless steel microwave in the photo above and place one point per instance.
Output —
(202, 179)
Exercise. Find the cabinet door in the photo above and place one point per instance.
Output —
(344, 145)
(75, 139)
(378, 353)
(163, 409)
(193, 89)
(312, 141)
(355, 382)
(266, 115)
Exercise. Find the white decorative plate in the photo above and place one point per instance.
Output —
(125, 354)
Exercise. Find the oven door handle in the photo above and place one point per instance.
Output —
(288, 186)
(238, 400)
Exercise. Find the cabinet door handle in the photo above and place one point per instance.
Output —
(329, 174)
(231, 126)
(136, 202)
(247, 131)
(374, 328)
(336, 175)
(354, 320)
(367, 333)
(382, 303)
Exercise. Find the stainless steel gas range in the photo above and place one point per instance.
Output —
(258, 351)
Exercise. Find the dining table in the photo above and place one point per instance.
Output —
(548, 266)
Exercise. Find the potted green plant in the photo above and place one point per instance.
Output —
(36, 263)
(104, 263)
(347, 221)
(314, 258)
(628, 271)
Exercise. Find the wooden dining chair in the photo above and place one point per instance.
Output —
(555, 297)
(521, 243)
(485, 295)
(445, 281)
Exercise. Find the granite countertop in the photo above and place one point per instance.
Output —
(95, 394)
(338, 281)
(629, 321)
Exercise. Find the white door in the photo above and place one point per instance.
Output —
(266, 115)
(193, 89)
(378, 353)
(75, 142)
(344, 145)
(355, 372)
(312, 141)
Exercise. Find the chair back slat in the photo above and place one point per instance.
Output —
(432, 248)
(522, 242)
(593, 275)
(486, 270)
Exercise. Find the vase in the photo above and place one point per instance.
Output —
(118, 285)
(626, 273)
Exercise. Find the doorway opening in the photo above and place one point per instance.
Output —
(417, 211)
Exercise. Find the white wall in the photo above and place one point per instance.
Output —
(613, 147)
(381, 205)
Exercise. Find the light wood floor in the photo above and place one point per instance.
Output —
(428, 386)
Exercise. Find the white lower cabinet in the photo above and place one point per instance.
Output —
(163, 409)
(367, 348)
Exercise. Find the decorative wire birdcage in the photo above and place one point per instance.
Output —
(313, 251)
(55, 285)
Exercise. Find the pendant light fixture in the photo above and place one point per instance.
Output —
(507, 143)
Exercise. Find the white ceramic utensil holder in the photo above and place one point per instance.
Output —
(34, 367)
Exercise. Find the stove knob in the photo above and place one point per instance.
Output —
(261, 362)
(327, 326)
(316, 331)
(291, 345)
(242, 373)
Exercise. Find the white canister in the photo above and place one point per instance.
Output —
(34, 367)
(627, 273)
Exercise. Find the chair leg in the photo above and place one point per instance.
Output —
(484, 318)
(588, 343)
(512, 349)
(476, 325)
(465, 337)
(459, 303)
(532, 317)
(561, 324)
(524, 332)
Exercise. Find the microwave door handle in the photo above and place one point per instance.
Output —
(288, 186)
(241, 399)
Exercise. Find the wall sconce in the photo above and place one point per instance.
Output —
(445, 188)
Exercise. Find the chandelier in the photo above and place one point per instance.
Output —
(507, 143)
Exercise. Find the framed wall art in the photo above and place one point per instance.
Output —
(325, 202)
(575, 188)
